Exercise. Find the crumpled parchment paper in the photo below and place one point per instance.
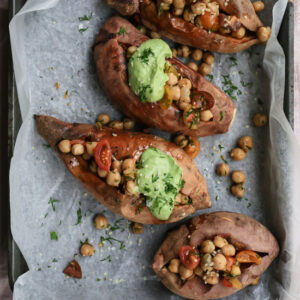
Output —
(56, 75)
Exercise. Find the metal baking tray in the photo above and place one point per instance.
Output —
(17, 264)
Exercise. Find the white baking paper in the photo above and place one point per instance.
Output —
(48, 48)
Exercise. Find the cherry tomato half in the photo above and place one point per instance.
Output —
(230, 261)
(73, 269)
(210, 21)
(202, 100)
(248, 256)
(102, 153)
(82, 142)
(189, 257)
(226, 282)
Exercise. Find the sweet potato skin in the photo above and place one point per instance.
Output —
(244, 230)
(123, 144)
(112, 71)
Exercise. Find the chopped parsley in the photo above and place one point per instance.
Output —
(249, 205)
(248, 84)
(81, 30)
(182, 183)
(229, 88)
(142, 93)
(221, 115)
(79, 216)
(52, 202)
(111, 240)
(233, 61)
(53, 235)
(210, 77)
(85, 17)
(47, 146)
(220, 147)
(54, 260)
(122, 31)
(98, 279)
(144, 57)
(106, 258)
(224, 160)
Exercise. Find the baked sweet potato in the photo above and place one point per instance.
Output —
(193, 29)
(255, 249)
(123, 144)
(110, 58)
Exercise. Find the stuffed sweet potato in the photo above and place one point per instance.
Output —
(186, 102)
(214, 255)
(225, 26)
(139, 176)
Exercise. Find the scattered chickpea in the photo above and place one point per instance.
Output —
(137, 228)
(185, 51)
(116, 125)
(93, 166)
(263, 33)
(179, 3)
(258, 6)
(208, 58)
(206, 115)
(207, 246)
(206, 262)
(77, 149)
(240, 33)
(90, 146)
(223, 169)
(235, 270)
(174, 265)
(228, 250)
(184, 272)
(128, 124)
(185, 93)
(103, 119)
(177, 11)
(238, 190)
(87, 249)
(193, 66)
(197, 54)
(131, 187)
(212, 278)
(155, 35)
(198, 271)
(238, 154)
(165, 6)
(130, 51)
(113, 178)
(172, 79)
(198, 8)
(238, 176)
(142, 29)
(64, 146)
(204, 69)
(174, 52)
(246, 143)
(220, 241)
(100, 222)
(260, 120)
(181, 141)
(175, 90)
(128, 163)
(214, 8)
(220, 262)
(116, 165)
(101, 173)
(185, 83)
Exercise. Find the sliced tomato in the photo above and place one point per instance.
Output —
(73, 269)
(82, 142)
(202, 100)
(189, 257)
(226, 282)
(191, 118)
(248, 256)
(230, 263)
(102, 153)
(210, 21)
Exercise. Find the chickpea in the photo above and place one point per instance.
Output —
(238, 190)
(193, 66)
(212, 278)
(185, 83)
(197, 54)
(263, 33)
(207, 246)
(168, 1)
(116, 165)
(206, 263)
(240, 33)
(214, 8)
(87, 249)
(90, 146)
(198, 271)
(175, 90)
(116, 125)
(143, 29)
(165, 6)
(184, 272)
(77, 149)
(101, 173)
(64, 146)
(129, 174)
(179, 3)
(128, 164)
(103, 119)
(172, 79)
(188, 15)
(193, 147)
(228, 250)
(181, 141)
(184, 105)
(185, 51)
(206, 115)
(238, 176)
(113, 178)
(224, 30)
(198, 8)
(177, 11)
(204, 69)
(100, 222)
(137, 228)
(128, 124)
(258, 6)
(219, 241)
(93, 166)
(185, 94)
(260, 120)
(220, 262)
(235, 270)
(131, 188)
(238, 154)
(174, 52)
(174, 265)
(130, 51)
(155, 35)
(246, 143)
(208, 58)
(223, 169)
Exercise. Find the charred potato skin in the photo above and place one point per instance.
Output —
(124, 144)
(112, 70)
(241, 230)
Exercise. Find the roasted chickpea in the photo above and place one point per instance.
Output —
(193, 147)
(116, 125)
(260, 120)
(198, 8)
(174, 52)
(185, 83)
(131, 188)
(263, 33)
(165, 6)
(172, 79)
(206, 115)
(185, 51)
(177, 11)
(179, 3)
(101, 173)
(90, 146)
(142, 29)
(181, 141)
(93, 166)
(212, 278)
(116, 165)
(193, 66)
(240, 33)
(228, 250)
(224, 30)
(103, 119)
(113, 178)
(207, 246)
(100, 222)
(238, 154)
(197, 54)
(258, 6)
(179, 52)
(213, 7)
(137, 228)
(220, 262)
(208, 58)
(128, 124)
(185, 94)
(129, 174)
(246, 143)
(155, 35)
(128, 163)
(206, 262)
(184, 105)
(238, 176)
(87, 249)
(223, 169)
(204, 69)
(175, 90)
(130, 51)
(188, 15)
(174, 265)
(198, 271)
(235, 270)
(220, 241)
(184, 272)
(77, 149)
(238, 190)
(64, 146)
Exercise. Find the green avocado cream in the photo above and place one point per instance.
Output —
(146, 70)
(159, 179)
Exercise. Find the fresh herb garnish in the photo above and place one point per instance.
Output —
(144, 57)
(46, 215)
(53, 235)
(79, 216)
(122, 31)
(142, 93)
(233, 61)
(246, 84)
(224, 160)
(52, 201)
(54, 260)
(85, 17)
(220, 147)
(229, 88)
(106, 258)
(182, 183)
(154, 178)
(221, 115)
(81, 30)
(47, 146)
(210, 77)
(98, 279)
(86, 241)
(111, 240)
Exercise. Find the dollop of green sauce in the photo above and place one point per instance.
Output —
(146, 70)
(159, 179)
